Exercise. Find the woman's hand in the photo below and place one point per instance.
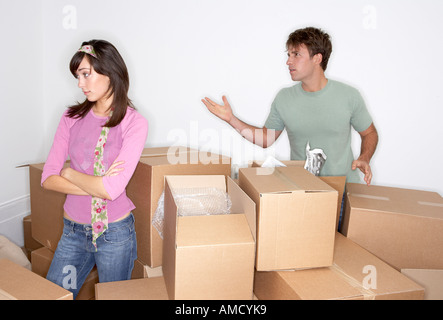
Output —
(113, 170)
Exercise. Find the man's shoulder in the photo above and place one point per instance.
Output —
(342, 87)
(289, 91)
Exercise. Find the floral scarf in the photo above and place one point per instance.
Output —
(99, 210)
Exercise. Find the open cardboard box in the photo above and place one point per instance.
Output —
(356, 274)
(146, 186)
(296, 216)
(209, 256)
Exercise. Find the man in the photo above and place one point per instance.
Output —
(317, 110)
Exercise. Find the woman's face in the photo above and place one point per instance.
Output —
(95, 86)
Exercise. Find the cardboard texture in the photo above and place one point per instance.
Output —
(41, 261)
(212, 256)
(137, 289)
(431, 280)
(336, 182)
(296, 217)
(146, 187)
(29, 241)
(355, 275)
(403, 227)
(19, 283)
(179, 152)
(142, 270)
(46, 210)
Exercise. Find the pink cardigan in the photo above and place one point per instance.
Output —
(77, 139)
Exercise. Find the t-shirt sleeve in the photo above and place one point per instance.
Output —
(135, 132)
(58, 153)
(274, 120)
(360, 118)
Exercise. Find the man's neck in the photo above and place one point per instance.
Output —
(315, 84)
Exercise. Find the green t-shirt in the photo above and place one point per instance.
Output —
(324, 119)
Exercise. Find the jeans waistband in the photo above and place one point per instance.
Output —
(87, 227)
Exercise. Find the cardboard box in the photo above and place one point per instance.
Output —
(355, 275)
(431, 280)
(142, 270)
(336, 182)
(146, 187)
(209, 257)
(296, 215)
(137, 289)
(46, 210)
(30, 243)
(41, 262)
(20, 283)
(400, 226)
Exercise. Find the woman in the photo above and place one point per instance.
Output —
(104, 137)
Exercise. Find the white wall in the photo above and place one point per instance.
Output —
(22, 121)
(179, 51)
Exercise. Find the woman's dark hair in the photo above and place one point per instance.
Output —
(108, 62)
(315, 40)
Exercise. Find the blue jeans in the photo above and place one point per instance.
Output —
(75, 255)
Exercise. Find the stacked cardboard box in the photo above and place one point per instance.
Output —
(355, 274)
(403, 227)
(46, 222)
(295, 221)
(147, 185)
(144, 189)
(294, 227)
(296, 215)
(279, 242)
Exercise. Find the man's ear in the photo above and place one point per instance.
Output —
(318, 58)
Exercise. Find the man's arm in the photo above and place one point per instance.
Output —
(369, 141)
(262, 137)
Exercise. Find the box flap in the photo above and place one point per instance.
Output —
(169, 236)
(395, 200)
(284, 179)
(211, 230)
(185, 158)
(196, 181)
(164, 151)
(241, 203)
